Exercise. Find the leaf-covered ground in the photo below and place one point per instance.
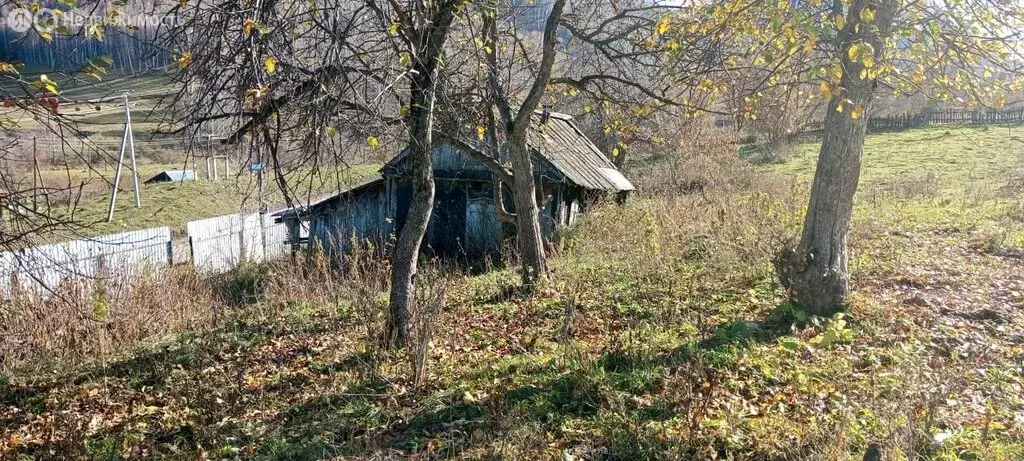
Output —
(662, 334)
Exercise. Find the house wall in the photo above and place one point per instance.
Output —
(361, 217)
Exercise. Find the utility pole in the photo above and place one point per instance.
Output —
(209, 151)
(131, 146)
(127, 141)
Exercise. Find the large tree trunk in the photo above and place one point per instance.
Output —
(405, 258)
(422, 97)
(528, 237)
(816, 270)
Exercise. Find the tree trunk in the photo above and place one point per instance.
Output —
(816, 270)
(405, 258)
(528, 236)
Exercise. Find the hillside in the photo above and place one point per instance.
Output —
(78, 166)
(661, 334)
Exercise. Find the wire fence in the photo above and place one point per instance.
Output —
(937, 117)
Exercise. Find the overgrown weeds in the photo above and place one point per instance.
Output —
(88, 318)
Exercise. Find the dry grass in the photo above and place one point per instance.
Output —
(88, 319)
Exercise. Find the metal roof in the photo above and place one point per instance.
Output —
(314, 206)
(568, 150)
(562, 143)
(173, 175)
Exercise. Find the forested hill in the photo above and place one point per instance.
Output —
(129, 43)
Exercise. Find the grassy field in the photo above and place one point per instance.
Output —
(80, 167)
(662, 334)
(95, 107)
(174, 204)
(957, 178)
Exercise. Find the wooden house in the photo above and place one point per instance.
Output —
(569, 170)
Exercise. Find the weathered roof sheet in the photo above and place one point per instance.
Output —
(173, 175)
(300, 210)
(568, 150)
(562, 143)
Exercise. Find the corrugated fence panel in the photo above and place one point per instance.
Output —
(275, 237)
(42, 269)
(216, 243)
(252, 237)
(220, 243)
(129, 252)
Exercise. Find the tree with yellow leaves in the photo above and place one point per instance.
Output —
(957, 51)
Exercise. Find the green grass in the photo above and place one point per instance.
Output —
(90, 181)
(174, 204)
(962, 155)
(955, 177)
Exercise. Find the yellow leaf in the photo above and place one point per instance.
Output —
(373, 142)
(867, 15)
(810, 43)
(836, 72)
(839, 107)
(480, 132)
(184, 59)
(862, 52)
(404, 60)
(857, 112)
(270, 64)
(248, 26)
(662, 26)
(840, 21)
(826, 90)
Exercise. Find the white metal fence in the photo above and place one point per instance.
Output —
(216, 245)
(223, 242)
(42, 269)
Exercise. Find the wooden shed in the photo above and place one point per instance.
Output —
(569, 170)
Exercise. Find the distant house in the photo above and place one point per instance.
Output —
(569, 170)
(173, 176)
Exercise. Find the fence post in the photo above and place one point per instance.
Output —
(170, 253)
(263, 234)
(241, 238)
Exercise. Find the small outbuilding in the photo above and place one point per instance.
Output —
(569, 170)
(173, 176)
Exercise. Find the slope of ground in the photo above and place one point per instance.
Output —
(78, 163)
(662, 334)
(175, 203)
